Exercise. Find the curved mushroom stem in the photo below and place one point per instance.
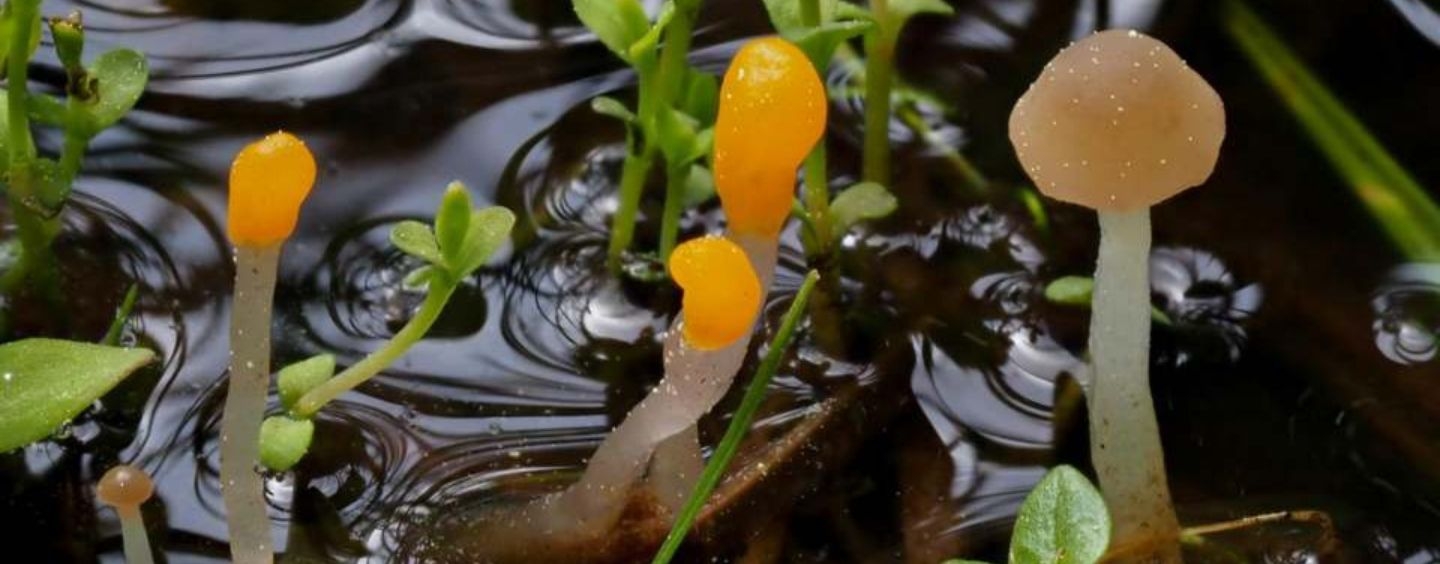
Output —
(240, 483)
(1124, 438)
(132, 526)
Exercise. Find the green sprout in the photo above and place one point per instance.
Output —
(460, 243)
(675, 113)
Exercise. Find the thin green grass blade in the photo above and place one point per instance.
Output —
(739, 425)
(1408, 215)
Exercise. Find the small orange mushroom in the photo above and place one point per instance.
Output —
(126, 488)
(722, 293)
(269, 180)
(772, 112)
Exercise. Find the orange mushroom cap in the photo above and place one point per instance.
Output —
(269, 180)
(1117, 122)
(124, 486)
(772, 112)
(722, 293)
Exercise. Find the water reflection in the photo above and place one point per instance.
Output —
(1207, 306)
(1407, 313)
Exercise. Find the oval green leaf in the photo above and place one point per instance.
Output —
(452, 223)
(861, 202)
(303, 376)
(120, 76)
(1063, 520)
(46, 382)
(284, 441)
(416, 239)
(489, 229)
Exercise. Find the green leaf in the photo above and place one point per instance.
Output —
(417, 240)
(120, 77)
(820, 43)
(452, 223)
(1070, 290)
(700, 97)
(644, 48)
(489, 228)
(1062, 520)
(704, 144)
(902, 10)
(785, 15)
(675, 135)
(297, 379)
(419, 277)
(699, 187)
(861, 202)
(43, 108)
(605, 105)
(617, 23)
(47, 382)
(284, 441)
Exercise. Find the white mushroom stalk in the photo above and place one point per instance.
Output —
(1117, 122)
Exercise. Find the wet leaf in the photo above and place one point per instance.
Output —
(1062, 520)
(617, 23)
(120, 77)
(605, 105)
(417, 240)
(47, 382)
(452, 222)
(820, 43)
(861, 202)
(301, 377)
(489, 229)
(284, 441)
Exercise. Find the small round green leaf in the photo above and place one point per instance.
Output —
(297, 379)
(1070, 290)
(284, 441)
(489, 229)
(417, 240)
(861, 202)
(1063, 520)
(120, 79)
(605, 105)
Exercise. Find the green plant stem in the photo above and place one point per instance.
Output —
(1404, 209)
(633, 175)
(72, 153)
(440, 290)
(879, 76)
(122, 314)
(739, 424)
(817, 202)
(676, 177)
(36, 232)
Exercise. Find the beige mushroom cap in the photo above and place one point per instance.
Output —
(1117, 122)
(125, 486)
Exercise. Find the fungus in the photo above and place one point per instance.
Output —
(1117, 122)
(772, 112)
(269, 180)
(126, 488)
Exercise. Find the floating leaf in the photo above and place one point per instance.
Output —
(284, 441)
(452, 222)
(47, 382)
(861, 202)
(417, 240)
(120, 77)
(1063, 520)
(489, 229)
(617, 23)
(297, 379)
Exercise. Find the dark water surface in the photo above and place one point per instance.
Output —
(1298, 374)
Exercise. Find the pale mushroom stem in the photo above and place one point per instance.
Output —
(132, 527)
(1124, 437)
(695, 380)
(241, 485)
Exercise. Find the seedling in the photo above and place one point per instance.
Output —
(1062, 520)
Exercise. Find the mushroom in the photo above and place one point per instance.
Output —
(1117, 122)
(126, 488)
(269, 180)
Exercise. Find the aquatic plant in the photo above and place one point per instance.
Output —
(96, 97)
(460, 243)
(126, 488)
(739, 423)
(676, 106)
(269, 180)
(1062, 520)
(1162, 125)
